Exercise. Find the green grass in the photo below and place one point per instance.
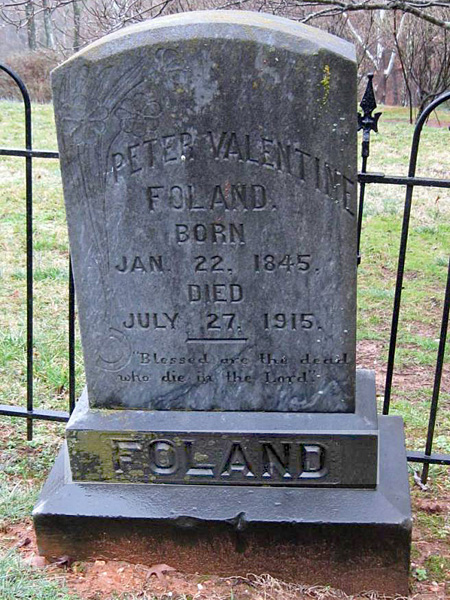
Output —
(427, 250)
(390, 151)
(425, 273)
(23, 465)
(19, 581)
(437, 567)
(426, 261)
(425, 270)
(50, 266)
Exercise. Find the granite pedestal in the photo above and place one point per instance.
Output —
(351, 539)
(233, 448)
(210, 179)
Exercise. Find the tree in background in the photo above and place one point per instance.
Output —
(30, 24)
(77, 6)
(425, 61)
(404, 42)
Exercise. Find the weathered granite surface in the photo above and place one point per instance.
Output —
(228, 448)
(209, 171)
(351, 539)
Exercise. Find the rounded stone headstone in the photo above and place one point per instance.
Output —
(209, 171)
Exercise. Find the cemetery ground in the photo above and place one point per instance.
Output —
(24, 465)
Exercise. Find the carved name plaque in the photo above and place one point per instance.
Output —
(224, 458)
(209, 175)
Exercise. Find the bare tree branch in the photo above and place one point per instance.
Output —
(413, 7)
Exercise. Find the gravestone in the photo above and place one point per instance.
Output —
(209, 172)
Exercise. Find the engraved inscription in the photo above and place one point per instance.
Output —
(216, 233)
(287, 263)
(136, 264)
(228, 197)
(216, 292)
(149, 320)
(220, 266)
(213, 249)
(268, 369)
(254, 150)
(224, 459)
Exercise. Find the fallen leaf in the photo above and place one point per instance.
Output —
(434, 587)
(63, 561)
(431, 506)
(23, 542)
(159, 570)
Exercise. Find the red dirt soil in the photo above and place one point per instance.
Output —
(99, 580)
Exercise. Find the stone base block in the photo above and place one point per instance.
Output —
(232, 448)
(351, 539)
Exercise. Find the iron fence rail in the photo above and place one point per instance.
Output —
(367, 122)
(28, 153)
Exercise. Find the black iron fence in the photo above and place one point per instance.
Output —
(367, 122)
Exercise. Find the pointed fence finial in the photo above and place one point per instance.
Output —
(366, 121)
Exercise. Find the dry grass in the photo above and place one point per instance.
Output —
(266, 587)
(34, 69)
